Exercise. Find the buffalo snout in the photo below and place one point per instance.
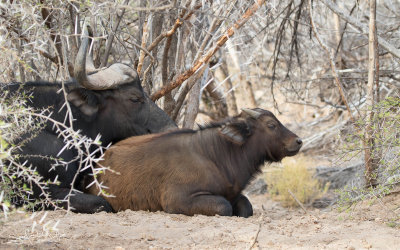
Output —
(294, 146)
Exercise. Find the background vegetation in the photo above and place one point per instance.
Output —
(335, 62)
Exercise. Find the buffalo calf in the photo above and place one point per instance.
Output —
(196, 171)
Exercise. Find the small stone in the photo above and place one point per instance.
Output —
(367, 246)
(377, 219)
(150, 238)
(351, 248)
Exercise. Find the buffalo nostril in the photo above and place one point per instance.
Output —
(299, 141)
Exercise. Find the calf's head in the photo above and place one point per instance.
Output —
(260, 131)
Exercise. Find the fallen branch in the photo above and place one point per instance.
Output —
(314, 140)
(255, 237)
(298, 202)
(205, 59)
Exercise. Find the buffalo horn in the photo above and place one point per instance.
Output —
(80, 60)
(252, 113)
(106, 78)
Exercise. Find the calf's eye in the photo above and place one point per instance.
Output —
(271, 126)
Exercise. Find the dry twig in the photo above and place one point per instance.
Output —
(297, 200)
(256, 236)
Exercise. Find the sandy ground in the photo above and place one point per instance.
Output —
(272, 227)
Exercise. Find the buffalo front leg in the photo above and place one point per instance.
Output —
(242, 207)
(80, 202)
(205, 204)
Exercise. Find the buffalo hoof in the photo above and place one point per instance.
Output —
(89, 204)
(242, 207)
(104, 208)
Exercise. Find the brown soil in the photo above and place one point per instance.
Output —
(272, 227)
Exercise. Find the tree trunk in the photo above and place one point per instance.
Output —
(168, 65)
(250, 95)
(192, 106)
(369, 141)
(219, 106)
(336, 20)
(247, 100)
(230, 97)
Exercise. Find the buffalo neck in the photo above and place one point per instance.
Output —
(239, 163)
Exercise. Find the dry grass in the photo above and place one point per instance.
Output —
(294, 174)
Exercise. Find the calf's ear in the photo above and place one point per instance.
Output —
(85, 101)
(237, 132)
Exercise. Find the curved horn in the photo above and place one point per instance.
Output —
(80, 60)
(106, 78)
(111, 77)
(252, 113)
(90, 68)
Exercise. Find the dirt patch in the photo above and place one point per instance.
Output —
(272, 227)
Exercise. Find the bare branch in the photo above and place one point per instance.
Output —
(111, 37)
(332, 63)
(178, 23)
(205, 59)
(386, 45)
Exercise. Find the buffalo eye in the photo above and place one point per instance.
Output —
(271, 126)
(136, 100)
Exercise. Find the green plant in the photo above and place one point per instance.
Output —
(385, 152)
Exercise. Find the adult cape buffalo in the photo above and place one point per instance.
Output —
(196, 172)
(110, 102)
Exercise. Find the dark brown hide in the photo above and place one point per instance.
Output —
(196, 172)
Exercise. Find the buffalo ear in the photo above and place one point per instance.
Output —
(237, 132)
(85, 101)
